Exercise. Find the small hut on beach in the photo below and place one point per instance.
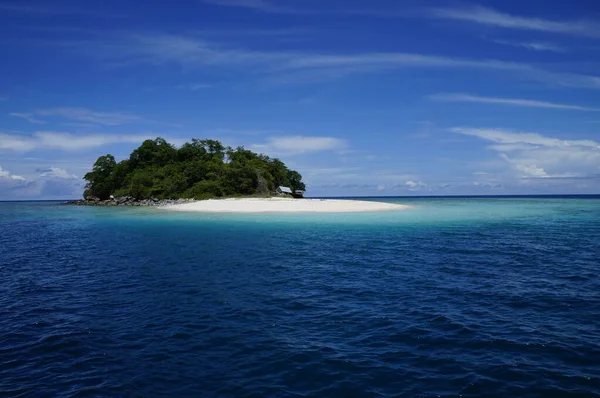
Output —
(284, 191)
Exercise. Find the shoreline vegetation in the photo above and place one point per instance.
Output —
(158, 172)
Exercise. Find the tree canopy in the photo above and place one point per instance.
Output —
(200, 169)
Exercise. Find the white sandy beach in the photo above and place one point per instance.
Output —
(284, 205)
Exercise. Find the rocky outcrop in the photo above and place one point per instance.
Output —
(128, 201)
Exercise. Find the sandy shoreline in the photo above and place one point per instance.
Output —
(283, 205)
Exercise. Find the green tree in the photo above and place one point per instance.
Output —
(205, 190)
(295, 180)
(278, 171)
(156, 152)
(200, 169)
(141, 185)
(120, 172)
(190, 151)
(100, 181)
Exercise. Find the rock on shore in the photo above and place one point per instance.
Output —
(128, 201)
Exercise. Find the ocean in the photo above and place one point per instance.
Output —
(471, 297)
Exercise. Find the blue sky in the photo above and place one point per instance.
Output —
(379, 97)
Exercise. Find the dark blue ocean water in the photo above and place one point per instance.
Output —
(494, 297)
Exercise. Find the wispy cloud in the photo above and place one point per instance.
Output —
(279, 7)
(89, 116)
(491, 17)
(3, 97)
(336, 172)
(287, 34)
(534, 45)
(193, 86)
(27, 116)
(53, 10)
(65, 141)
(532, 155)
(458, 97)
(371, 61)
(260, 5)
(510, 137)
(160, 49)
(191, 52)
(300, 144)
(81, 115)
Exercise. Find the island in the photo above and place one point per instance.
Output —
(200, 169)
(206, 176)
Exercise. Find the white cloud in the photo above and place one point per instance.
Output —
(64, 141)
(415, 185)
(533, 155)
(527, 170)
(89, 116)
(486, 185)
(259, 5)
(489, 16)
(198, 86)
(53, 10)
(279, 7)
(57, 172)
(541, 46)
(335, 172)
(300, 144)
(375, 61)
(511, 137)
(56, 182)
(3, 97)
(534, 45)
(4, 174)
(193, 52)
(337, 179)
(193, 86)
(48, 183)
(27, 116)
(510, 147)
(458, 97)
(81, 115)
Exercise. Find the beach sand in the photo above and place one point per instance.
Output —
(283, 205)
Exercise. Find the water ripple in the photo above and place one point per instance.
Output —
(101, 303)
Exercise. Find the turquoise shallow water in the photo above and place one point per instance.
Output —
(456, 296)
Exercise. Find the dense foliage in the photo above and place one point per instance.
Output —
(200, 169)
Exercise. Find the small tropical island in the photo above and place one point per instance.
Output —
(206, 176)
(200, 169)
